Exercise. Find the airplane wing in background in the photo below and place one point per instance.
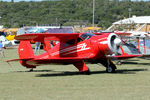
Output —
(47, 36)
(121, 57)
(118, 33)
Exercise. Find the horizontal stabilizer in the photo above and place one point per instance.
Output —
(19, 59)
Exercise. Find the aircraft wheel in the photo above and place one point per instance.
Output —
(31, 70)
(110, 70)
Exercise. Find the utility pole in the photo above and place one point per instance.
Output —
(129, 12)
(93, 11)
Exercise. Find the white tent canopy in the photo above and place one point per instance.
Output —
(1, 26)
(134, 19)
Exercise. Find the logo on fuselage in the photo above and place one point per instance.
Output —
(71, 50)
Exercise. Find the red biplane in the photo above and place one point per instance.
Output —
(73, 48)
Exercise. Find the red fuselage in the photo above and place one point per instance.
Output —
(88, 47)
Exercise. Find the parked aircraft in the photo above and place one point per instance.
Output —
(74, 48)
(11, 33)
(5, 42)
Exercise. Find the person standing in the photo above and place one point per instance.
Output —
(1, 49)
(37, 47)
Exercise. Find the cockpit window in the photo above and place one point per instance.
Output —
(70, 42)
(86, 36)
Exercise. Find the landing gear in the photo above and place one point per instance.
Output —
(110, 70)
(86, 72)
(81, 66)
(110, 66)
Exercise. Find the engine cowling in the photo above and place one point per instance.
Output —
(114, 42)
(109, 43)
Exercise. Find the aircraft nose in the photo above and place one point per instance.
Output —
(114, 42)
(117, 42)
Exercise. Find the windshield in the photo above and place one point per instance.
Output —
(86, 36)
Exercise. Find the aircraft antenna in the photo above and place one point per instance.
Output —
(93, 11)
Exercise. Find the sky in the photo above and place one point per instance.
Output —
(43, 0)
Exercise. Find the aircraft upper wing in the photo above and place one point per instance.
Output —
(47, 36)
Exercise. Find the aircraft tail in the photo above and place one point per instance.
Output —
(25, 50)
(25, 54)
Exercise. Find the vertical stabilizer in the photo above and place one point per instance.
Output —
(25, 50)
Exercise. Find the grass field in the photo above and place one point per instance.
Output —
(62, 82)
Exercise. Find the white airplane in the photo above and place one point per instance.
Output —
(7, 43)
(138, 33)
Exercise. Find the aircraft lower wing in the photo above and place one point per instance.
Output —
(55, 59)
(63, 60)
(66, 59)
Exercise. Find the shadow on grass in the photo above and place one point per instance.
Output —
(124, 71)
(132, 60)
(130, 71)
(37, 71)
(129, 63)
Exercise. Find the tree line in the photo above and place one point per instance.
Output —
(70, 12)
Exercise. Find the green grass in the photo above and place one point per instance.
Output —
(62, 82)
